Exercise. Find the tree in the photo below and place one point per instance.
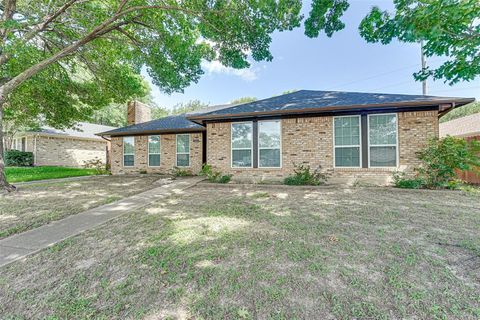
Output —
(49, 43)
(448, 28)
(243, 100)
(463, 111)
(189, 106)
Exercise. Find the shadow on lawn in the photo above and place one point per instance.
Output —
(244, 255)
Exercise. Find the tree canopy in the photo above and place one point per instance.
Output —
(243, 100)
(449, 28)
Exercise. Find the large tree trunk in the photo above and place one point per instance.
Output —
(5, 187)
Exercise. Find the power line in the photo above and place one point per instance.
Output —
(374, 76)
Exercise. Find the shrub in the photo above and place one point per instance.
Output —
(303, 175)
(442, 157)
(179, 172)
(401, 180)
(214, 176)
(97, 164)
(15, 158)
(439, 161)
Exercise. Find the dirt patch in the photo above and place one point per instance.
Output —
(238, 253)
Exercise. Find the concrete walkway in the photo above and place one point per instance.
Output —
(20, 245)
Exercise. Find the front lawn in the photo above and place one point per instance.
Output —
(38, 204)
(21, 174)
(265, 253)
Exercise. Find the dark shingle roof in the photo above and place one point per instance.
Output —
(170, 124)
(309, 99)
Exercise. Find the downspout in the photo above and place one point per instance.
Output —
(108, 157)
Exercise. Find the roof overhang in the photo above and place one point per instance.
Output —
(445, 105)
(149, 132)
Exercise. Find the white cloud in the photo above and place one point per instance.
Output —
(216, 67)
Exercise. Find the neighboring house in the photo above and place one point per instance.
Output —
(466, 127)
(352, 135)
(69, 147)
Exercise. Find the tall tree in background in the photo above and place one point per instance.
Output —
(108, 42)
(243, 100)
(449, 28)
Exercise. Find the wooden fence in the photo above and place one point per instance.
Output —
(470, 176)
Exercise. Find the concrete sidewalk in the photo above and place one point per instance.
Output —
(22, 244)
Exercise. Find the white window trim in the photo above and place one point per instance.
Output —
(231, 146)
(348, 146)
(128, 154)
(159, 153)
(384, 145)
(177, 153)
(260, 148)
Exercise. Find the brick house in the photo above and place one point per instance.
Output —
(68, 148)
(352, 135)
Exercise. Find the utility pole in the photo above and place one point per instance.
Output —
(424, 66)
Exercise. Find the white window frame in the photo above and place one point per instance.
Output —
(177, 153)
(348, 146)
(159, 152)
(259, 148)
(231, 146)
(128, 154)
(383, 145)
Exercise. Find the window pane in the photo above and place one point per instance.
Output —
(241, 158)
(383, 129)
(183, 143)
(154, 144)
(183, 160)
(242, 135)
(383, 156)
(347, 131)
(269, 134)
(154, 160)
(347, 157)
(128, 145)
(128, 160)
(270, 158)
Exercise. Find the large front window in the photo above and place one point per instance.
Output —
(347, 141)
(128, 151)
(183, 150)
(154, 151)
(269, 142)
(382, 140)
(242, 144)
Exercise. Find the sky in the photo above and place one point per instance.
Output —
(345, 62)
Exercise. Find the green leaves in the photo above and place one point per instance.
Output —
(442, 157)
(448, 28)
(325, 16)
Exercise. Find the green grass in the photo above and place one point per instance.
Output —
(22, 174)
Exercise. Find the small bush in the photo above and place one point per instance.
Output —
(442, 157)
(303, 175)
(214, 176)
(15, 158)
(97, 164)
(401, 180)
(439, 160)
(179, 172)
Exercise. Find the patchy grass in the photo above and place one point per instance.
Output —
(38, 204)
(22, 174)
(218, 253)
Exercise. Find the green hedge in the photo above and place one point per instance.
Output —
(15, 158)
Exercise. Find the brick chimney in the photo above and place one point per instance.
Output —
(138, 112)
